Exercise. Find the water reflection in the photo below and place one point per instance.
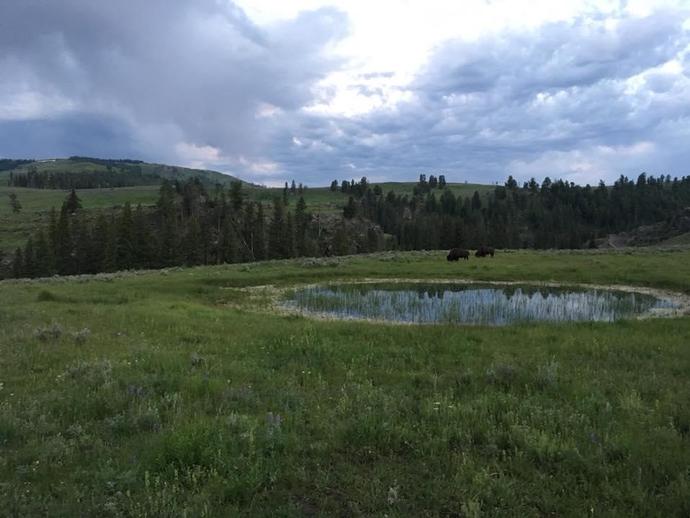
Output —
(472, 303)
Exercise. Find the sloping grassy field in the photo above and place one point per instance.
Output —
(176, 393)
(15, 229)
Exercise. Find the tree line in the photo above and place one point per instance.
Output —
(553, 214)
(192, 225)
(7, 164)
(123, 176)
(188, 226)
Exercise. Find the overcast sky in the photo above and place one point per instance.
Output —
(314, 90)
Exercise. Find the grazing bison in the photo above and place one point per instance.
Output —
(458, 253)
(483, 251)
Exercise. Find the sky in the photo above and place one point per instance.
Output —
(316, 90)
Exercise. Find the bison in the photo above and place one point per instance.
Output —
(458, 253)
(483, 251)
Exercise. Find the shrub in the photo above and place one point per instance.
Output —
(46, 296)
(81, 336)
(51, 333)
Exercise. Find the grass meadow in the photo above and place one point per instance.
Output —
(179, 393)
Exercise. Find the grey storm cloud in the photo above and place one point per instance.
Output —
(192, 71)
(583, 99)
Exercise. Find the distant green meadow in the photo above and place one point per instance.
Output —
(183, 392)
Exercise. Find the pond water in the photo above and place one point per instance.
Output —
(471, 303)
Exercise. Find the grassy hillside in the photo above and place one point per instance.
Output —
(322, 199)
(36, 205)
(176, 393)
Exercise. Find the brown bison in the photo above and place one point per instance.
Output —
(458, 253)
(483, 251)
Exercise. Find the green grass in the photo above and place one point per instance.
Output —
(186, 396)
(464, 189)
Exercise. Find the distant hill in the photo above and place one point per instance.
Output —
(87, 172)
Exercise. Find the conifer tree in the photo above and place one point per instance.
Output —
(18, 264)
(236, 196)
(14, 203)
(350, 210)
(290, 235)
(167, 224)
(277, 232)
(81, 238)
(99, 244)
(45, 266)
(260, 233)
(229, 244)
(248, 224)
(29, 269)
(476, 201)
(63, 242)
(341, 241)
(192, 246)
(301, 221)
(124, 241)
(142, 240)
(110, 250)
(72, 203)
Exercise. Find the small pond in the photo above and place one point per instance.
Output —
(489, 304)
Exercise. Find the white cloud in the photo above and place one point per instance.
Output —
(312, 89)
(586, 165)
(197, 156)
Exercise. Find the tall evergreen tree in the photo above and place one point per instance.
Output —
(14, 203)
(18, 264)
(278, 247)
(260, 234)
(126, 252)
(350, 210)
(29, 269)
(301, 222)
(63, 243)
(143, 242)
(45, 263)
(110, 250)
(72, 203)
(81, 237)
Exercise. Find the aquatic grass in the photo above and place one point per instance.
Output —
(472, 304)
